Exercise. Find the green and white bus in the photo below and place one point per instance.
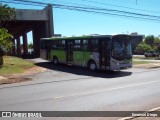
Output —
(109, 52)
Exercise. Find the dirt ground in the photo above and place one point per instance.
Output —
(15, 78)
(147, 66)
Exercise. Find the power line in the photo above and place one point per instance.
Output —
(102, 3)
(98, 10)
(136, 2)
(22, 3)
(140, 2)
(104, 13)
(108, 10)
(28, 1)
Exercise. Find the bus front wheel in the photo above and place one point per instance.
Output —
(92, 66)
(55, 60)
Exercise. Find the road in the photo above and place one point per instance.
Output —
(65, 88)
(154, 61)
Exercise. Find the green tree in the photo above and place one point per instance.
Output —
(5, 40)
(157, 44)
(5, 43)
(6, 14)
(30, 45)
(142, 48)
(150, 40)
(157, 41)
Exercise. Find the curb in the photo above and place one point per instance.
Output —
(146, 67)
(154, 109)
(153, 67)
(2, 78)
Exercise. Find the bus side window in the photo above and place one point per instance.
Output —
(85, 45)
(77, 45)
(53, 45)
(63, 44)
(58, 45)
(94, 45)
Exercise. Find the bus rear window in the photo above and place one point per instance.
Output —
(43, 44)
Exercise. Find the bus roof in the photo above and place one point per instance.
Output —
(83, 37)
(77, 37)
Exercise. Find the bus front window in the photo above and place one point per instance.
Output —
(122, 49)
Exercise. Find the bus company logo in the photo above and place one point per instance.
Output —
(6, 114)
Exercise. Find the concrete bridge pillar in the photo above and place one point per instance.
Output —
(36, 38)
(18, 46)
(25, 44)
(13, 47)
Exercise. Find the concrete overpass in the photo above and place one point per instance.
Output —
(40, 22)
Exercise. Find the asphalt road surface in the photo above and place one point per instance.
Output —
(66, 88)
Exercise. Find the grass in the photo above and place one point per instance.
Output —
(140, 62)
(14, 65)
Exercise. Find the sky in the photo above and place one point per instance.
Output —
(71, 22)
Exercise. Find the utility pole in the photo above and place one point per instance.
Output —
(136, 2)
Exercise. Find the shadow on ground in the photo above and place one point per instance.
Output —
(83, 71)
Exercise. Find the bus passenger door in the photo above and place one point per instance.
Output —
(69, 51)
(105, 53)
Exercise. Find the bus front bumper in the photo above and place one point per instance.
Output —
(118, 67)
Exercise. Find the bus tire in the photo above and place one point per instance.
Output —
(92, 65)
(55, 60)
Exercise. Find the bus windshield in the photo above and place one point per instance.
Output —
(122, 49)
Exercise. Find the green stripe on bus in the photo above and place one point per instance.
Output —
(61, 55)
(81, 57)
(70, 38)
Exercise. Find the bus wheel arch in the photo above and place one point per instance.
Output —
(92, 65)
(55, 60)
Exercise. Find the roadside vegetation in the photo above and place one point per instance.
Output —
(140, 62)
(150, 43)
(14, 65)
(6, 14)
(146, 58)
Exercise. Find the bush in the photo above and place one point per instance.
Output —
(142, 48)
(1, 61)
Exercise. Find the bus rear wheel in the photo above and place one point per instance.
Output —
(92, 66)
(55, 60)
